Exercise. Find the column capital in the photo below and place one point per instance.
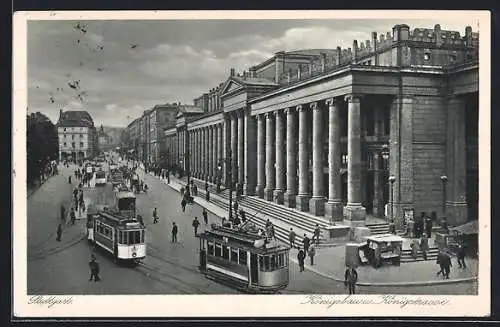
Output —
(333, 102)
(270, 115)
(314, 106)
(350, 98)
(301, 108)
(289, 110)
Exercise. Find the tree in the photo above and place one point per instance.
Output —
(42, 144)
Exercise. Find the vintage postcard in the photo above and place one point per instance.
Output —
(256, 163)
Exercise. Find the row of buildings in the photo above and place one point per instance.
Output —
(388, 127)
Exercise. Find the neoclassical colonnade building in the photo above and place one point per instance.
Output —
(324, 131)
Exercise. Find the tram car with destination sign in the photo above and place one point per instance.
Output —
(123, 237)
(243, 260)
(125, 202)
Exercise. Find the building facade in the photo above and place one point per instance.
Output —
(77, 135)
(386, 128)
(104, 140)
(160, 117)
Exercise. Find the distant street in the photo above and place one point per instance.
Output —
(62, 268)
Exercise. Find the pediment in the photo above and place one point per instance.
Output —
(231, 85)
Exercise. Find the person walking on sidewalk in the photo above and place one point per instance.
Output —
(301, 256)
(155, 216)
(174, 232)
(446, 264)
(312, 253)
(72, 216)
(306, 241)
(351, 277)
(291, 238)
(94, 269)
(424, 246)
(59, 233)
(461, 255)
(317, 233)
(63, 213)
(183, 205)
(205, 216)
(196, 224)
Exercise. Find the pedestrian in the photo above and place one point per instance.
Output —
(317, 233)
(174, 232)
(207, 196)
(446, 264)
(428, 226)
(306, 241)
(440, 261)
(196, 224)
(414, 249)
(351, 277)
(301, 257)
(461, 255)
(182, 192)
(59, 233)
(183, 205)
(155, 216)
(205, 216)
(206, 186)
(444, 225)
(94, 269)
(424, 246)
(312, 253)
(291, 238)
(236, 205)
(243, 216)
(72, 215)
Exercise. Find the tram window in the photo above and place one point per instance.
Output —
(234, 255)
(211, 248)
(134, 237)
(261, 263)
(273, 264)
(218, 252)
(143, 236)
(243, 257)
(266, 263)
(125, 238)
(119, 237)
(281, 260)
(225, 252)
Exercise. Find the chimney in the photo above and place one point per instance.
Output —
(354, 50)
(232, 72)
(374, 41)
(338, 55)
(468, 36)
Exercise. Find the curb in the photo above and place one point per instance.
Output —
(393, 284)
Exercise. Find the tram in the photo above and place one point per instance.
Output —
(121, 236)
(244, 260)
(125, 202)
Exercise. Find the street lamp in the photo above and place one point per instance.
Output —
(228, 163)
(444, 179)
(392, 179)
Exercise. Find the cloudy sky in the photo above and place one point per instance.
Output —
(172, 60)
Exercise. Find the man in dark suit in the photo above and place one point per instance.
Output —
(351, 277)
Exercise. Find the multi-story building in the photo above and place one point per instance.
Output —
(387, 128)
(104, 140)
(160, 117)
(144, 137)
(77, 135)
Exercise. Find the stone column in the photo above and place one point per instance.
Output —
(261, 156)
(207, 154)
(241, 150)
(197, 152)
(317, 202)
(227, 148)
(270, 157)
(456, 201)
(234, 149)
(291, 158)
(215, 159)
(280, 158)
(355, 213)
(302, 199)
(220, 156)
(378, 194)
(210, 162)
(250, 151)
(334, 207)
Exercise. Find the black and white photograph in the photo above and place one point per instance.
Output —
(310, 163)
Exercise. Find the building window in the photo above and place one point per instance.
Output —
(65, 144)
(81, 144)
(64, 135)
(344, 159)
(65, 129)
(73, 145)
(73, 136)
(81, 136)
(427, 56)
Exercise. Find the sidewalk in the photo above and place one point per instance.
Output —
(329, 262)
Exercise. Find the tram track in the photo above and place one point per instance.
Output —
(47, 253)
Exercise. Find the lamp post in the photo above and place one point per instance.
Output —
(392, 179)
(227, 162)
(444, 179)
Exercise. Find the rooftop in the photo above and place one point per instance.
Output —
(75, 118)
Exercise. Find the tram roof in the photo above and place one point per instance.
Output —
(125, 195)
(242, 238)
(115, 219)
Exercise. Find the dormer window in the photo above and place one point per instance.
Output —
(427, 56)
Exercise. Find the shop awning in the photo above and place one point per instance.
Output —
(466, 229)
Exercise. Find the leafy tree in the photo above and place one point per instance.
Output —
(42, 144)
